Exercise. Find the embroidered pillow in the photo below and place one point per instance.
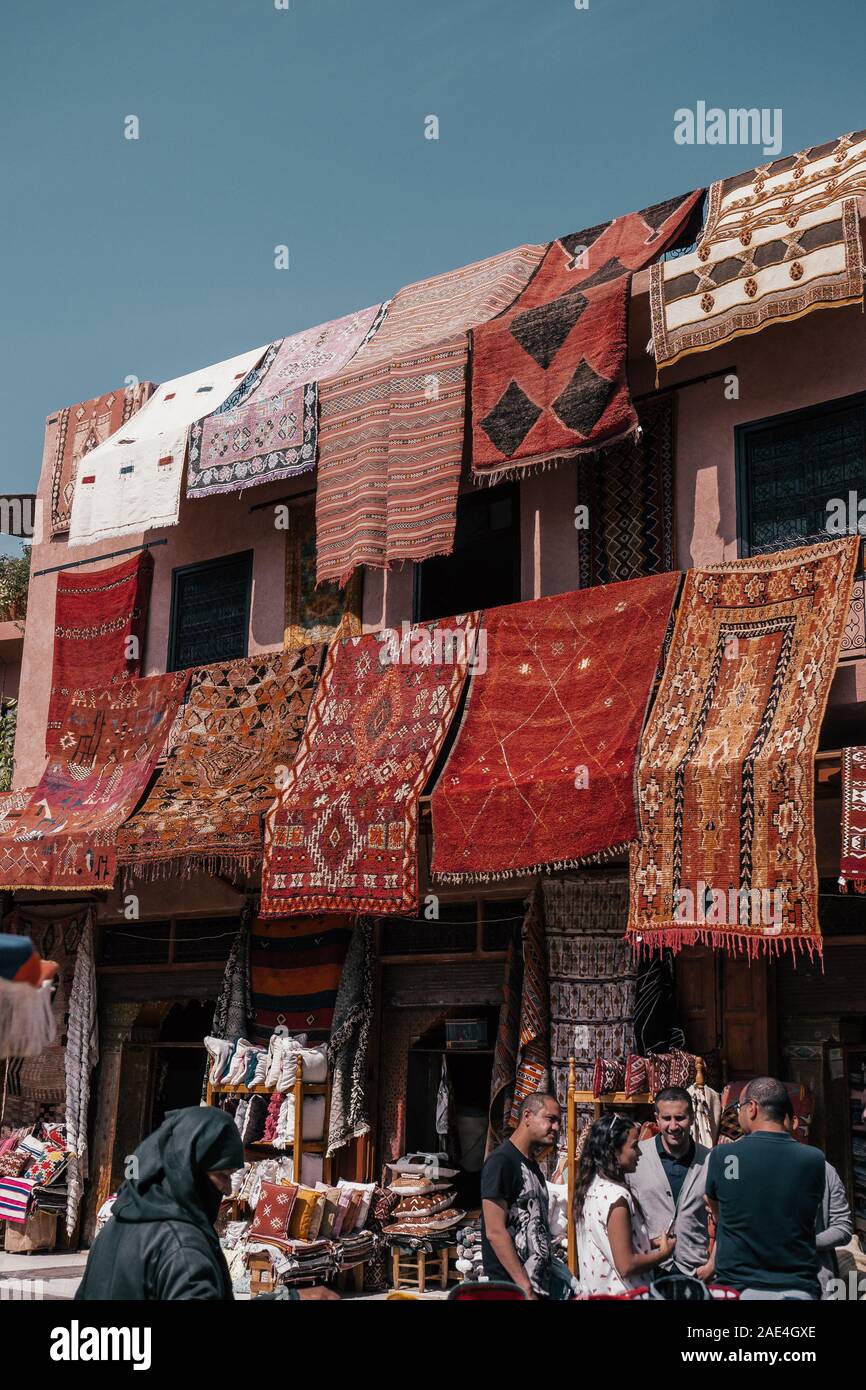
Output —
(330, 1208)
(306, 1212)
(366, 1190)
(608, 1076)
(273, 1212)
(636, 1075)
(12, 1164)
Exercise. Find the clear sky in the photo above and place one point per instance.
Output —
(305, 127)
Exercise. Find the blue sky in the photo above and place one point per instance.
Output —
(305, 127)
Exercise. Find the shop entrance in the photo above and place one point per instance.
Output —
(461, 1042)
(179, 1059)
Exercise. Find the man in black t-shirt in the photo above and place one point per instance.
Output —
(515, 1228)
(764, 1191)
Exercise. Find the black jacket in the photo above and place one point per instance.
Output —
(160, 1242)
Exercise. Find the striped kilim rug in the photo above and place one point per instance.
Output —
(391, 427)
(549, 376)
(779, 241)
(267, 429)
(726, 774)
(295, 968)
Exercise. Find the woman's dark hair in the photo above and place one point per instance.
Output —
(600, 1156)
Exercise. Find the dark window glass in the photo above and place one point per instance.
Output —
(455, 931)
(791, 467)
(501, 920)
(484, 569)
(136, 943)
(204, 939)
(210, 611)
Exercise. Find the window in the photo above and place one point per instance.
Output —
(484, 569)
(791, 466)
(210, 611)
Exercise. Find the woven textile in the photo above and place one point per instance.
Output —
(82, 1054)
(131, 482)
(391, 427)
(505, 1049)
(591, 974)
(36, 1086)
(11, 806)
(95, 616)
(778, 242)
(315, 614)
(106, 751)
(656, 1021)
(629, 497)
(15, 1195)
(342, 836)
(242, 722)
(726, 776)
(549, 377)
(853, 864)
(72, 433)
(295, 970)
(542, 771)
(233, 1011)
(267, 429)
(350, 1039)
(854, 636)
(532, 1070)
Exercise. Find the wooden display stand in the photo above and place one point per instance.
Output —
(598, 1103)
(298, 1147)
(412, 1269)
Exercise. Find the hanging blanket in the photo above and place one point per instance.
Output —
(391, 427)
(76, 431)
(505, 1050)
(549, 377)
(542, 771)
(853, 865)
(242, 722)
(267, 430)
(726, 776)
(109, 745)
(315, 614)
(99, 625)
(82, 1054)
(591, 973)
(629, 497)
(233, 1011)
(36, 1086)
(532, 1069)
(294, 973)
(131, 483)
(350, 1038)
(778, 242)
(342, 835)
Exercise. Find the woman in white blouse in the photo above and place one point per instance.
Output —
(614, 1250)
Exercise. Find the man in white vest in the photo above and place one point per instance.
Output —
(669, 1184)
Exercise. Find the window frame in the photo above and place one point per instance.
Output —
(177, 575)
(477, 497)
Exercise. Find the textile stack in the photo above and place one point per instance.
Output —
(425, 1208)
(33, 1164)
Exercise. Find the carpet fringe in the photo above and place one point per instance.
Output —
(158, 870)
(736, 942)
(549, 867)
(514, 472)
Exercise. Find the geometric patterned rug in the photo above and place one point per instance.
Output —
(73, 432)
(726, 773)
(852, 870)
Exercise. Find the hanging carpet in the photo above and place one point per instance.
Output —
(98, 619)
(541, 774)
(132, 481)
(295, 970)
(342, 834)
(778, 242)
(549, 377)
(241, 724)
(348, 1047)
(726, 774)
(853, 865)
(72, 433)
(532, 1063)
(391, 427)
(106, 750)
(267, 429)
(315, 613)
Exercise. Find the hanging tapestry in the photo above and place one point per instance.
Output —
(234, 1008)
(391, 428)
(779, 241)
(505, 1050)
(240, 726)
(549, 377)
(267, 429)
(726, 775)
(349, 1116)
(82, 1054)
(628, 527)
(131, 482)
(591, 975)
(106, 751)
(853, 864)
(99, 625)
(295, 973)
(342, 835)
(541, 774)
(76, 431)
(36, 1086)
(315, 614)
(854, 636)
(532, 1069)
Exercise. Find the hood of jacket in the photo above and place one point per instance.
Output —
(171, 1182)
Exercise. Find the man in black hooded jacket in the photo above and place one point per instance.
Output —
(160, 1242)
